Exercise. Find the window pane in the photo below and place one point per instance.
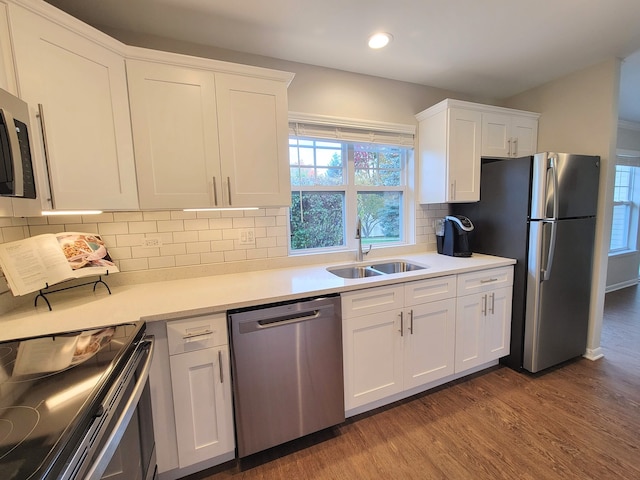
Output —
(317, 220)
(377, 165)
(315, 163)
(620, 227)
(380, 215)
(622, 188)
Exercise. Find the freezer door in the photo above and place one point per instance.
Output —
(564, 185)
(557, 315)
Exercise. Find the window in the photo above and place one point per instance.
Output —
(335, 181)
(626, 196)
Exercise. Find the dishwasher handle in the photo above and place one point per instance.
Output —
(280, 321)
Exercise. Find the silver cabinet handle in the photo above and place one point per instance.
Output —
(47, 157)
(402, 324)
(493, 303)
(489, 280)
(220, 366)
(215, 192)
(484, 305)
(229, 189)
(509, 152)
(515, 147)
(191, 336)
(411, 321)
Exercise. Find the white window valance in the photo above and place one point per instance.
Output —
(628, 157)
(351, 130)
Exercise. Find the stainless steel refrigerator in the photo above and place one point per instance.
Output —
(541, 210)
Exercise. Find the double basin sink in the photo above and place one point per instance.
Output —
(374, 269)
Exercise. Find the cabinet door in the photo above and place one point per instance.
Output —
(202, 401)
(429, 342)
(470, 320)
(496, 135)
(372, 358)
(173, 114)
(254, 146)
(464, 142)
(524, 134)
(498, 323)
(82, 87)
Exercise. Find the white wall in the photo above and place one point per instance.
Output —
(579, 114)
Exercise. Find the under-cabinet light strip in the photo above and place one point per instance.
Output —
(216, 209)
(71, 212)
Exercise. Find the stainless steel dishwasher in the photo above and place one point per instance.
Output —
(287, 371)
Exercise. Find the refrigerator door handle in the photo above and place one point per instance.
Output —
(553, 168)
(546, 272)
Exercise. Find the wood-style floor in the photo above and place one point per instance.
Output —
(580, 421)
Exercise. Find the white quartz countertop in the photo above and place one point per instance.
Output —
(81, 308)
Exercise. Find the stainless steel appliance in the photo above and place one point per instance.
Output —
(16, 169)
(541, 210)
(77, 406)
(287, 371)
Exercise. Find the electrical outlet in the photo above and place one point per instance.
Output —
(247, 236)
(152, 242)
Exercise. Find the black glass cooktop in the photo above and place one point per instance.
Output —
(50, 388)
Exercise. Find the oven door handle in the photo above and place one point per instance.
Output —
(102, 460)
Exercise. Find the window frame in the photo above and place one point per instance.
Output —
(631, 204)
(349, 132)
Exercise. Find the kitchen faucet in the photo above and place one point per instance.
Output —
(360, 254)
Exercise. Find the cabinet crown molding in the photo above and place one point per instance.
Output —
(452, 103)
(218, 66)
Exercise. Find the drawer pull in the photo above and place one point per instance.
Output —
(190, 336)
(489, 280)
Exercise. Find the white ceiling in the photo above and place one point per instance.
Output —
(485, 48)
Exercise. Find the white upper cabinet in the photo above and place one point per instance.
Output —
(509, 135)
(206, 135)
(173, 113)
(254, 140)
(449, 157)
(78, 76)
(454, 135)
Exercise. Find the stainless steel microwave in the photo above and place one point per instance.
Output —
(16, 168)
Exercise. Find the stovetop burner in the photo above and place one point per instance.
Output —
(46, 385)
(16, 425)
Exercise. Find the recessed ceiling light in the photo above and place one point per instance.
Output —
(379, 40)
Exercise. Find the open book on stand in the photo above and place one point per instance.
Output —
(39, 262)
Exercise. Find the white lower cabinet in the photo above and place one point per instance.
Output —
(204, 427)
(402, 339)
(483, 318)
(190, 383)
(396, 338)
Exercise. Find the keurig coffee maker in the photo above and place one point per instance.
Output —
(453, 239)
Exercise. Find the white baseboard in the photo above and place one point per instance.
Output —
(618, 286)
(594, 353)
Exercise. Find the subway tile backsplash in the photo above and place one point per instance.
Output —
(140, 241)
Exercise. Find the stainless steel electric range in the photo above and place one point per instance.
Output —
(76, 405)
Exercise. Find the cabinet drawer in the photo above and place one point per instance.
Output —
(483, 280)
(429, 290)
(197, 333)
(372, 300)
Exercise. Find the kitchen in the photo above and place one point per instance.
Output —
(329, 101)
